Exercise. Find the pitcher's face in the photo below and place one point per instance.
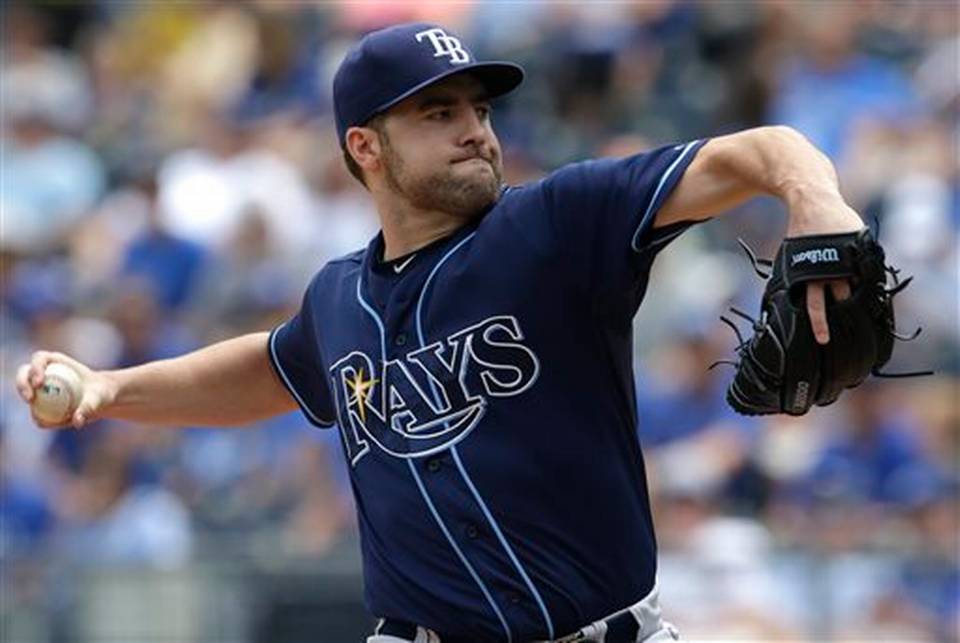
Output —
(439, 150)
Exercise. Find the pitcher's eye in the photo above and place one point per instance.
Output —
(440, 115)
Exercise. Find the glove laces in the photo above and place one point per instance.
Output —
(764, 268)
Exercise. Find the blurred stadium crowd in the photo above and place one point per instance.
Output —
(170, 177)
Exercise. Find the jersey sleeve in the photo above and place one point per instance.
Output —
(295, 355)
(601, 214)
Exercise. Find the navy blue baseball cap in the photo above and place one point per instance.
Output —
(391, 64)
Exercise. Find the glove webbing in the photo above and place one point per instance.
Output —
(761, 324)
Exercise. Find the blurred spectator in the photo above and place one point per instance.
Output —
(697, 443)
(170, 265)
(49, 83)
(285, 79)
(146, 334)
(937, 77)
(830, 88)
(929, 583)
(49, 180)
(25, 517)
(360, 17)
(204, 192)
(346, 219)
(275, 484)
(209, 66)
(717, 574)
(246, 278)
(109, 519)
(874, 456)
(921, 598)
(930, 580)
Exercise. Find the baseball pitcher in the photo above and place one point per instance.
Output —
(475, 357)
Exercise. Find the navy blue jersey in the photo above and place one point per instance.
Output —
(483, 390)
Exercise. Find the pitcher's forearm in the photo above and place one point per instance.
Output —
(228, 383)
(781, 162)
(777, 161)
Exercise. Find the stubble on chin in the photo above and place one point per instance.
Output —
(466, 196)
(458, 195)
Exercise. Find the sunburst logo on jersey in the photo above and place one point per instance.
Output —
(421, 402)
(361, 392)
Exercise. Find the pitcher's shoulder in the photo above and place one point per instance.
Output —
(535, 192)
(515, 199)
(354, 259)
(338, 272)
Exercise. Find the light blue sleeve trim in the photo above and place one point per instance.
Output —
(275, 359)
(654, 205)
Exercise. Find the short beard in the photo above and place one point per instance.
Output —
(442, 191)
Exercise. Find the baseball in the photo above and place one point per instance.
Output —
(58, 397)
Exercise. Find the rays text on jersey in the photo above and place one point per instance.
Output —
(432, 397)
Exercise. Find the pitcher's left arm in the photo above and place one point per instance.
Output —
(777, 161)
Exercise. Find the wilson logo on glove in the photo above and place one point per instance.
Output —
(782, 368)
(817, 255)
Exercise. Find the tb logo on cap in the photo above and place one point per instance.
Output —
(445, 45)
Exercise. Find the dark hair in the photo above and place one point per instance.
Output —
(376, 124)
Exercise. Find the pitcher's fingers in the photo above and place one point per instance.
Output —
(69, 361)
(840, 289)
(817, 311)
(86, 411)
(24, 389)
(38, 364)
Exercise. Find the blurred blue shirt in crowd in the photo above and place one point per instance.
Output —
(826, 104)
(676, 415)
(883, 464)
(170, 265)
(25, 518)
(47, 183)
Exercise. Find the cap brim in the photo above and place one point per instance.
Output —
(498, 77)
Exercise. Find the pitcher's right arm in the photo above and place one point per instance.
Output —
(228, 383)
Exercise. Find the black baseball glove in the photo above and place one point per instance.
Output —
(782, 368)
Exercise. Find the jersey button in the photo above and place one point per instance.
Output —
(472, 531)
(433, 465)
(400, 340)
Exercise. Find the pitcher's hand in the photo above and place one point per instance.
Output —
(806, 219)
(98, 389)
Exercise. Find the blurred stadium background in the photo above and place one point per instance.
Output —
(170, 177)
